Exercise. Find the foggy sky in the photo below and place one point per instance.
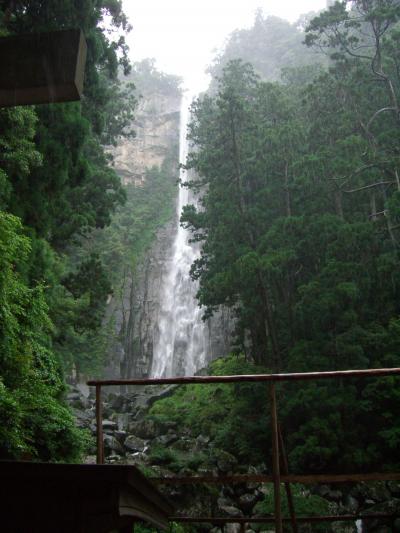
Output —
(183, 35)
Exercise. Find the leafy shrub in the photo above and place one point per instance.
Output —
(305, 504)
(219, 411)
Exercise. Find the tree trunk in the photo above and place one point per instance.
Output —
(287, 191)
(270, 328)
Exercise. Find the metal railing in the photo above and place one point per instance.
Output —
(280, 473)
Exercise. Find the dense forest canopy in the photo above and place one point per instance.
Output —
(299, 223)
(56, 186)
(270, 45)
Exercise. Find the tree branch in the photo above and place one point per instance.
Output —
(371, 185)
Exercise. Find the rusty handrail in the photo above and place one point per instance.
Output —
(296, 376)
(276, 478)
(219, 520)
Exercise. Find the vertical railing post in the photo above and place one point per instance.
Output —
(285, 469)
(275, 461)
(99, 426)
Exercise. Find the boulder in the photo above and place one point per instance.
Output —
(107, 411)
(118, 403)
(109, 425)
(166, 440)
(228, 507)
(254, 470)
(225, 461)
(376, 492)
(123, 420)
(394, 488)
(392, 506)
(329, 494)
(160, 393)
(232, 528)
(84, 419)
(114, 458)
(202, 442)
(120, 436)
(247, 502)
(111, 445)
(136, 458)
(351, 504)
(265, 490)
(78, 401)
(184, 444)
(240, 489)
(146, 429)
(135, 444)
(228, 491)
(334, 495)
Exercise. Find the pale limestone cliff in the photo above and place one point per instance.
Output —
(156, 125)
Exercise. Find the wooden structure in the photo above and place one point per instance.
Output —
(280, 473)
(42, 68)
(71, 498)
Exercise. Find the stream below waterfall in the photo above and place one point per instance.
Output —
(180, 339)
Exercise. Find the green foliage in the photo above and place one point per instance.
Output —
(91, 284)
(305, 504)
(175, 460)
(34, 419)
(56, 178)
(173, 528)
(299, 226)
(149, 80)
(270, 45)
(218, 411)
(133, 229)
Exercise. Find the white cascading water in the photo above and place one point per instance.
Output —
(180, 343)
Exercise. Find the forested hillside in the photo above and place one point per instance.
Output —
(271, 45)
(56, 187)
(299, 223)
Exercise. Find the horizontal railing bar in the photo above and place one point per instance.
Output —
(308, 479)
(305, 376)
(269, 519)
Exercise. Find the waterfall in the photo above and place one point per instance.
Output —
(180, 342)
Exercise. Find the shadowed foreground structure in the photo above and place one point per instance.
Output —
(70, 498)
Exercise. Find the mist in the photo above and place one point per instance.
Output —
(184, 36)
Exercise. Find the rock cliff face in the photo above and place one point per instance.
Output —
(134, 309)
(136, 314)
(157, 129)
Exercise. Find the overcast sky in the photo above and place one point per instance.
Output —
(183, 35)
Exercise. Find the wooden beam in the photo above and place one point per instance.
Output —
(99, 426)
(275, 461)
(311, 479)
(270, 519)
(285, 470)
(305, 376)
(40, 68)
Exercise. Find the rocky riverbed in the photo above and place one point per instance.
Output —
(160, 449)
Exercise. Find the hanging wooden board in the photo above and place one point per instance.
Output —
(42, 68)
